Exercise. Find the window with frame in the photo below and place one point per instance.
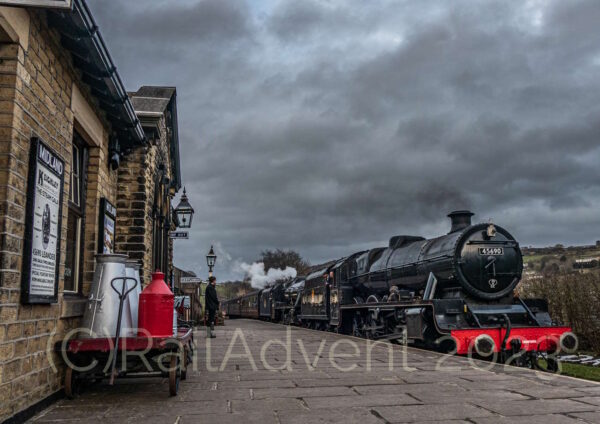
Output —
(75, 220)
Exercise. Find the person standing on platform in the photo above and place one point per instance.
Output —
(212, 305)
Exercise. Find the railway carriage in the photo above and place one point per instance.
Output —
(249, 305)
(314, 307)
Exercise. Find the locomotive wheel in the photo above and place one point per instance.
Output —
(174, 375)
(372, 323)
(358, 326)
(71, 383)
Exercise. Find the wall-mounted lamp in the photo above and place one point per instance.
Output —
(114, 152)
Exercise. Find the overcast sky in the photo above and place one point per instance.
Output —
(329, 126)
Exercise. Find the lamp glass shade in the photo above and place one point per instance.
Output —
(185, 212)
(211, 258)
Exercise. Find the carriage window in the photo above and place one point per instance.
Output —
(361, 265)
(344, 276)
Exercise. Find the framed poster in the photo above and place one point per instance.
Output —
(59, 4)
(43, 220)
(106, 232)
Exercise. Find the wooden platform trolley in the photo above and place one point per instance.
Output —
(90, 360)
(94, 359)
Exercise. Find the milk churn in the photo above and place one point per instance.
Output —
(132, 269)
(102, 309)
(155, 314)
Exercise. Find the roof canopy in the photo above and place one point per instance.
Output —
(80, 35)
(150, 104)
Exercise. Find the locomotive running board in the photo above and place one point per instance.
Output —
(385, 305)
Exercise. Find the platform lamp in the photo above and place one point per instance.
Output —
(211, 258)
(184, 212)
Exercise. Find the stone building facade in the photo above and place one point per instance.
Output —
(148, 180)
(58, 85)
(194, 291)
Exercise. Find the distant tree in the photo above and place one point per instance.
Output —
(563, 258)
(573, 300)
(280, 259)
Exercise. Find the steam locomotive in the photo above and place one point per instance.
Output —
(453, 293)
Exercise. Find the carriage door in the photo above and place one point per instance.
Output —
(334, 284)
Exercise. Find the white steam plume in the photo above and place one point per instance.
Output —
(259, 279)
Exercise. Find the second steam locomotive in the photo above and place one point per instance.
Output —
(453, 293)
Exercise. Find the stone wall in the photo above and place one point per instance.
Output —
(36, 89)
(134, 209)
(138, 175)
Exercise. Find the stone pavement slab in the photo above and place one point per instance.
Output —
(257, 372)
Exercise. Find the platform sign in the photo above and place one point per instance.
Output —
(190, 280)
(179, 235)
(41, 259)
(106, 223)
(56, 4)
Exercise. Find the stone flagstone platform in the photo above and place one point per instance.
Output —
(305, 376)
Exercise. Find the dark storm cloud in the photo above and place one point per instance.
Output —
(329, 126)
(178, 21)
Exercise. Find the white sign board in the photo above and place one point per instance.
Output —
(179, 235)
(43, 223)
(190, 280)
(59, 4)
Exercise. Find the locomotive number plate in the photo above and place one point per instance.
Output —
(495, 251)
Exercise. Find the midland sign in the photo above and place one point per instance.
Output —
(41, 258)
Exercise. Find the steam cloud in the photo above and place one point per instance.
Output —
(259, 279)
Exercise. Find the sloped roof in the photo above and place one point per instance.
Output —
(79, 34)
(156, 91)
(152, 102)
(150, 99)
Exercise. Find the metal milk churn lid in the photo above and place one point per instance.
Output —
(132, 269)
(102, 309)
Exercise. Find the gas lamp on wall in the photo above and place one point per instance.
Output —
(184, 212)
(114, 152)
(211, 258)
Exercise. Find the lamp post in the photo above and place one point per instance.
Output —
(184, 212)
(211, 258)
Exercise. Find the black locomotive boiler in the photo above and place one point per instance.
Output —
(454, 292)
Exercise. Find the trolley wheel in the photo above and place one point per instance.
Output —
(71, 386)
(174, 375)
(184, 364)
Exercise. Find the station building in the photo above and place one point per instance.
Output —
(85, 168)
(192, 291)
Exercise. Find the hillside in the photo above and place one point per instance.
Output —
(539, 261)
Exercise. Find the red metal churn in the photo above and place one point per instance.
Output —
(155, 313)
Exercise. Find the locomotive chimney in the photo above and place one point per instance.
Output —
(460, 220)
